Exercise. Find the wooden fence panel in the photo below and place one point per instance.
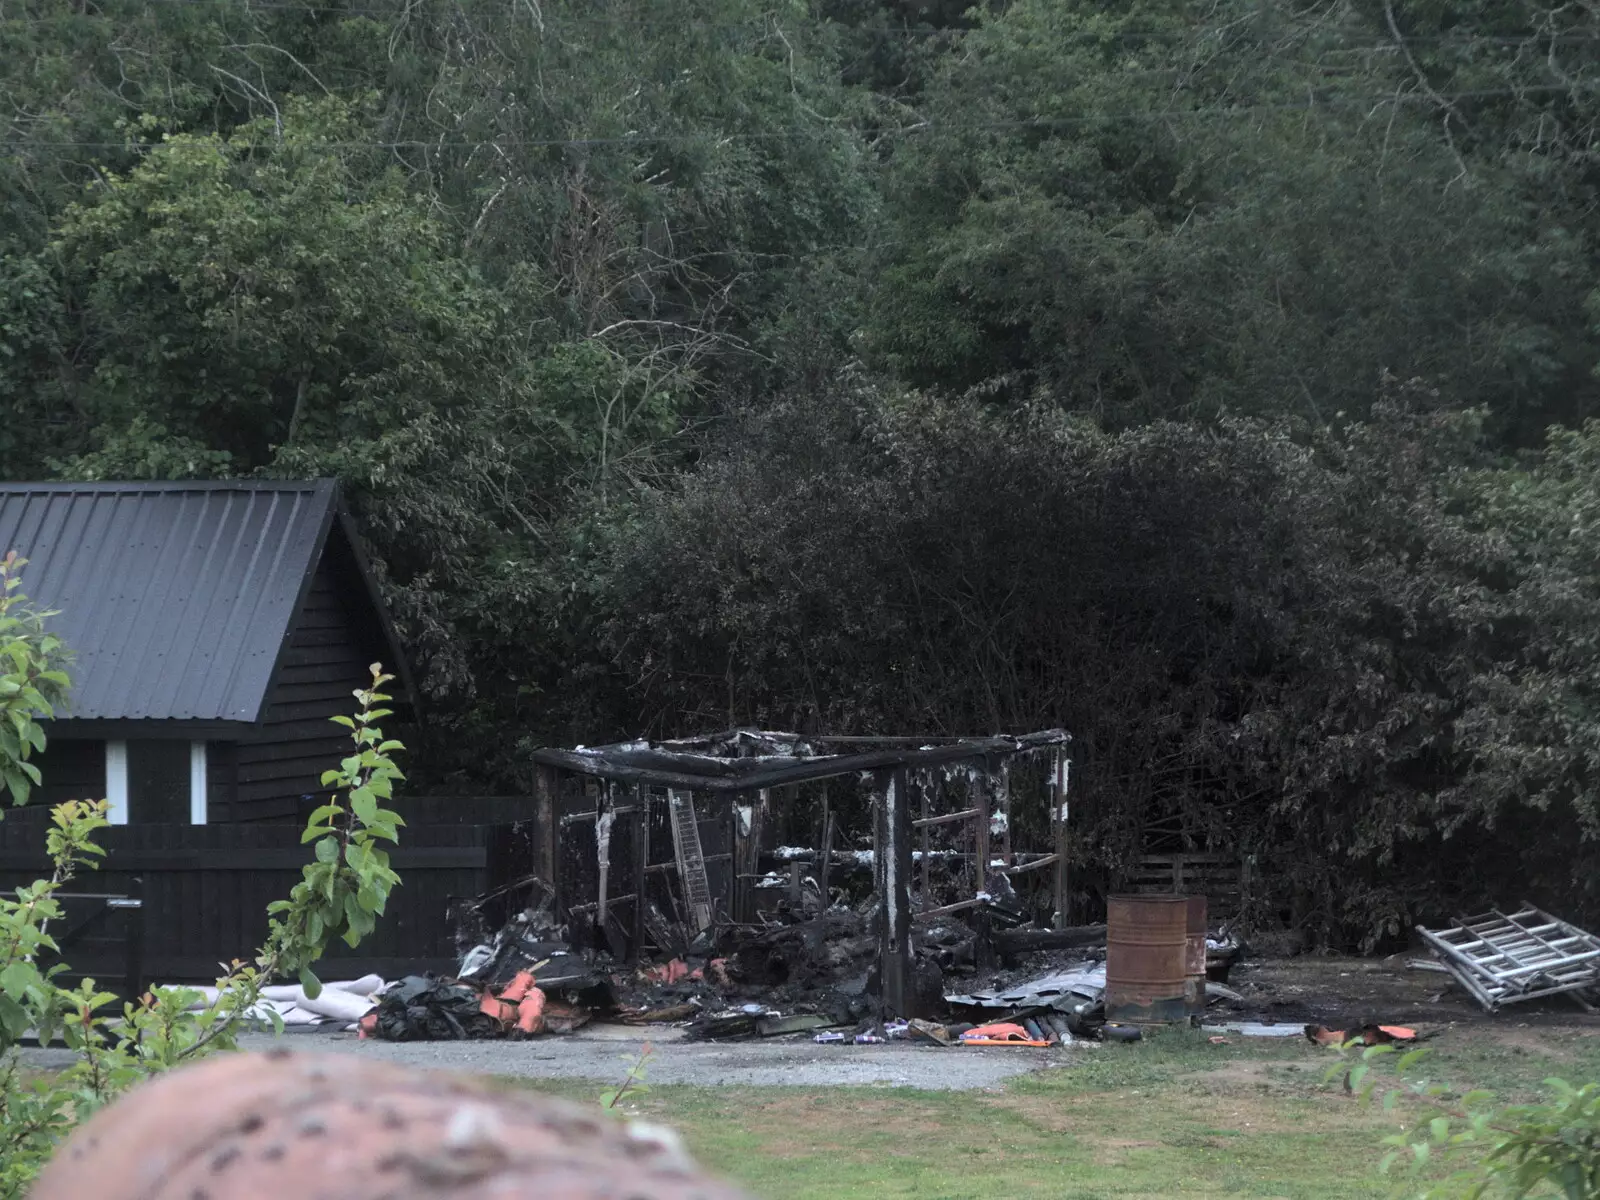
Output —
(205, 891)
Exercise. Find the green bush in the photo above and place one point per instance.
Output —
(1481, 1146)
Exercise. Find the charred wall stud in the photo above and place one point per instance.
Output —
(892, 870)
(1060, 769)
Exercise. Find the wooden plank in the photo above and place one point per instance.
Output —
(966, 814)
(958, 906)
(197, 968)
(1042, 861)
(185, 861)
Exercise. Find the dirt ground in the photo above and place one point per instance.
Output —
(1338, 991)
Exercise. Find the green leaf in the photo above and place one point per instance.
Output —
(1439, 1127)
(17, 979)
(14, 1019)
(328, 850)
(1410, 1059)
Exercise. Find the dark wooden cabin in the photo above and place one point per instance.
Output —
(215, 628)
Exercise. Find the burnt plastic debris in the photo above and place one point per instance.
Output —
(530, 936)
(424, 1008)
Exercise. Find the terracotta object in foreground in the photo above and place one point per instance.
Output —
(248, 1126)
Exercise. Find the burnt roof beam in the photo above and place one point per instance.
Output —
(631, 763)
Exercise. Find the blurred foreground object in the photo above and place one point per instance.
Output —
(243, 1126)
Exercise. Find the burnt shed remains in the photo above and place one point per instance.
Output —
(215, 627)
(654, 845)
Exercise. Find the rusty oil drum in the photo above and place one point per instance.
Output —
(1147, 958)
(1194, 993)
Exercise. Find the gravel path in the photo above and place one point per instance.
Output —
(604, 1053)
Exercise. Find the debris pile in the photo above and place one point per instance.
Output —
(798, 973)
(1057, 1007)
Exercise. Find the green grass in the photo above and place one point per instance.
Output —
(1172, 1116)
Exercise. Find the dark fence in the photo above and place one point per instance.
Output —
(205, 890)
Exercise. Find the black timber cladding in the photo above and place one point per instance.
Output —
(177, 599)
(324, 660)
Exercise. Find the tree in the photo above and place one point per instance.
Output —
(1139, 212)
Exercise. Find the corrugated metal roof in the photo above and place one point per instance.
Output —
(174, 598)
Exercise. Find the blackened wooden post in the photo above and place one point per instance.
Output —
(547, 823)
(927, 844)
(735, 855)
(983, 941)
(746, 853)
(891, 866)
(1061, 766)
(983, 938)
(826, 815)
(605, 818)
(1004, 809)
(641, 862)
(827, 859)
(978, 798)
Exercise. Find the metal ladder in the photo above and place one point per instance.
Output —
(691, 858)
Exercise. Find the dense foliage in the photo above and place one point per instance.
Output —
(1212, 380)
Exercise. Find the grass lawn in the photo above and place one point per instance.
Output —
(1173, 1116)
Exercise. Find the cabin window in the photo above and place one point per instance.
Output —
(156, 781)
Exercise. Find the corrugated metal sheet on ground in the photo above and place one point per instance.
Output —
(1087, 982)
(173, 597)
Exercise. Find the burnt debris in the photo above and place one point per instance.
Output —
(656, 849)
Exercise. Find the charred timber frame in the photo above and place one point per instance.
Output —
(708, 773)
(784, 761)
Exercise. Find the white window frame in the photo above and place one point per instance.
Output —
(117, 782)
(197, 783)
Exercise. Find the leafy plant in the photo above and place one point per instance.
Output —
(32, 681)
(341, 893)
(632, 1084)
(1547, 1148)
